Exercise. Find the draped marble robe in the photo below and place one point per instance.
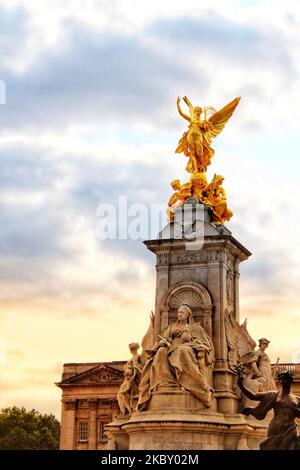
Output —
(183, 363)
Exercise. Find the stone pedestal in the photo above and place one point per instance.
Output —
(203, 272)
(120, 435)
(204, 430)
(176, 420)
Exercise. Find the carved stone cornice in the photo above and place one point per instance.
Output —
(219, 242)
(70, 404)
(93, 403)
(107, 402)
(82, 404)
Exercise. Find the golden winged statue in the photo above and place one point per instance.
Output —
(196, 141)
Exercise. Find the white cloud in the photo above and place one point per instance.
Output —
(91, 114)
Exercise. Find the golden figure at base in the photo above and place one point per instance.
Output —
(211, 194)
(195, 142)
(182, 193)
(215, 196)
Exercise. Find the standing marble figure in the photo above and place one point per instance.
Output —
(263, 365)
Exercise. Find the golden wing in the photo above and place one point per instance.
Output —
(219, 119)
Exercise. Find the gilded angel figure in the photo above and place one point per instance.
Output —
(195, 142)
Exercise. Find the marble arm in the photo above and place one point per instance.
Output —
(255, 369)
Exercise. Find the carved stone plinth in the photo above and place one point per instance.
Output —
(121, 437)
(175, 419)
(205, 430)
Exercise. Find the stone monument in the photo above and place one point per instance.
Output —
(184, 383)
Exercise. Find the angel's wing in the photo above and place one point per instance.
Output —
(251, 341)
(148, 340)
(219, 119)
(240, 343)
(232, 340)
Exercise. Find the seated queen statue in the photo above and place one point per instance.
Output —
(181, 358)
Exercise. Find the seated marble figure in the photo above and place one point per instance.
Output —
(181, 358)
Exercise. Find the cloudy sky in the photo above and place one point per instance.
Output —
(90, 115)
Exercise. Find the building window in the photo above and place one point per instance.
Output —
(102, 436)
(83, 431)
(105, 403)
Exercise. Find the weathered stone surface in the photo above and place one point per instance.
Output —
(204, 430)
(206, 278)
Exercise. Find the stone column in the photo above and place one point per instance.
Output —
(236, 279)
(162, 285)
(215, 288)
(93, 425)
(217, 285)
(207, 319)
(68, 425)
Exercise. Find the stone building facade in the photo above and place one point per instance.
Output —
(89, 401)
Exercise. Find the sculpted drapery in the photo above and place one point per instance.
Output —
(196, 141)
(182, 357)
(264, 365)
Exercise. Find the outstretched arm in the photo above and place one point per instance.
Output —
(173, 199)
(181, 112)
(252, 396)
(191, 107)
